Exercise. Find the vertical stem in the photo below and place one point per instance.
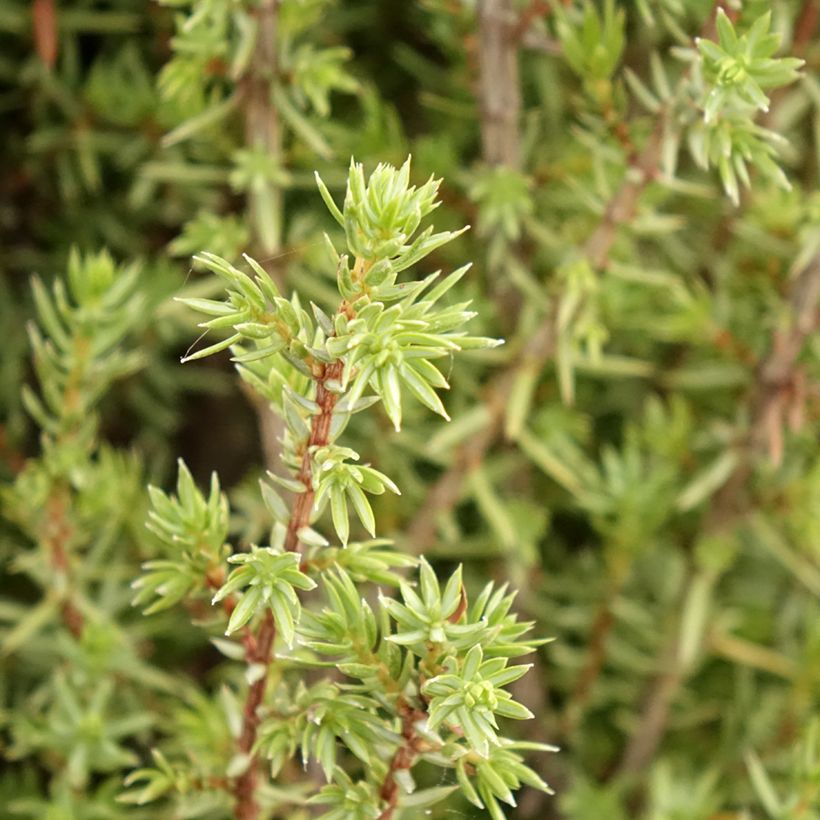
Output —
(319, 437)
(56, 534)
(258, 650)
(259, 647)
(402, 760)
(263, 132)
(499, 91)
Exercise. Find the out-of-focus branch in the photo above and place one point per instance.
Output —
(57, 533)
(804, 28)
(644, 742)
(263, 132)
(262, 128)
(602, 626)
(771, 394)
(529, 36)
(500, 30)
(643, 167)
(779, 383)
(446, 492)
(499, 88)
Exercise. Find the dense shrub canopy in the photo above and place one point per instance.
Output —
(491, 485)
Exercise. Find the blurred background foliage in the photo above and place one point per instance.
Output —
(640, 459)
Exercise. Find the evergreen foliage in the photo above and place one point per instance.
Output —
(398, 563)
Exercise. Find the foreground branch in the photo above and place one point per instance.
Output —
(319, 437)
(259, 648)
(402, 760)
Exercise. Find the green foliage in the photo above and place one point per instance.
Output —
(741, 67)
(76, 347)
(327, 628)
(471, 693)
(193, 530)
(737, 70)
(272, 580)
(593, 44)
(387, 349)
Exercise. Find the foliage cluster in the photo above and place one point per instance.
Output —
(328, 628)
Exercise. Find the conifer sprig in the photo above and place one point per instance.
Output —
(377, 347)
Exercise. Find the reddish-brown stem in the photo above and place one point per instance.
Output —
(402, 760)
(263, 132)
(319, 437)
(259, 647)
(258, 650)
(56, 534)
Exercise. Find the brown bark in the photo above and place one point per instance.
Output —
(262, 127)
(263, 132)
(403, 759)
(259, 648)
(499, 87)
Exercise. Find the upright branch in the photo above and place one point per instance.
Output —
(259, 647)
(499, 85)
(380, 343)
(79, 323)
(265, 200)
(262, 129)
(778, 393)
